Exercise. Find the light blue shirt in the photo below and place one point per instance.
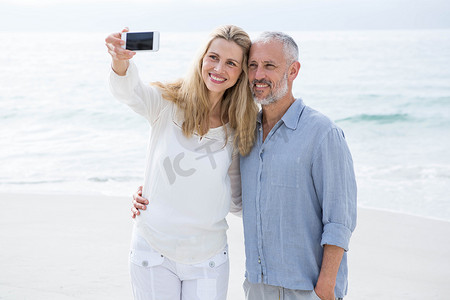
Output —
(298, 194)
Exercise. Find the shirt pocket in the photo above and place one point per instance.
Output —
(146, 259)
(284, 171)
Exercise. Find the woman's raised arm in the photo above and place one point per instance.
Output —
(120, 57)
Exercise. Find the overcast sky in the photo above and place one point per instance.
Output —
(203, 15)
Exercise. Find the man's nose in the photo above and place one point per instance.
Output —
(259, 73)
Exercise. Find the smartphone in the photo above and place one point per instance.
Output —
(141, 41)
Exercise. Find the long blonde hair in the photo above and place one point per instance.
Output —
(191, 95)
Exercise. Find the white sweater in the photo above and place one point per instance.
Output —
(190, 182)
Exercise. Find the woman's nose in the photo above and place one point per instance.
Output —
(218, 67)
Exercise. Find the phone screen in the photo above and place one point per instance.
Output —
(139, 41)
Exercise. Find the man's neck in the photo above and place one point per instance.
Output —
(272, 113)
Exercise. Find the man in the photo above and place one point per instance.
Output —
(298, 187)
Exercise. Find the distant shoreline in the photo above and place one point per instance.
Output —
(101, 194)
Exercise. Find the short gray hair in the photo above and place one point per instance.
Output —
(290, 48)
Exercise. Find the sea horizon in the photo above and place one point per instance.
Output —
(61, 131)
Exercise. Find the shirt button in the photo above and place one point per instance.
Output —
(212, 264)
(144, 263)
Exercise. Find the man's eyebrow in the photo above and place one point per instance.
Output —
(265, 62)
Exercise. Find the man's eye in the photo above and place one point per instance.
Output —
(252, 66)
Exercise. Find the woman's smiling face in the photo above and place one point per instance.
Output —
(222, 65)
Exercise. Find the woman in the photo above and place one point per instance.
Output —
(199, 124)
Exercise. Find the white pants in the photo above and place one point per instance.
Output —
(155, 277)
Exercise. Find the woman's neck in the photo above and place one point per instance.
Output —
(215, 114)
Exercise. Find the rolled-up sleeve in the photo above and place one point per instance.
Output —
(335, 184)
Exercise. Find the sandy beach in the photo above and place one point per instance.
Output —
(76, 247)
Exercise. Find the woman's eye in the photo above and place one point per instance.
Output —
(231, 63)
(213, 57)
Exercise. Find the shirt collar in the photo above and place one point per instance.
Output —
(292, 115)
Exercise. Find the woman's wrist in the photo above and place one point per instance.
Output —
(120, 67)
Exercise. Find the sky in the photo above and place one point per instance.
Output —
(203, 15)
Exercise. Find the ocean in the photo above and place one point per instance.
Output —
(61, 131)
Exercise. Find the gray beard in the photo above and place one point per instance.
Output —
(277, 95)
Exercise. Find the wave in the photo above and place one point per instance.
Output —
(115, 179)
(407, 173)
(32, 182)
(380, 119)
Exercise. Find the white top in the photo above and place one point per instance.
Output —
(190, 182)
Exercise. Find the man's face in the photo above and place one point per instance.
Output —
(267, 72)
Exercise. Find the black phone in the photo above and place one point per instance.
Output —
(141, 41)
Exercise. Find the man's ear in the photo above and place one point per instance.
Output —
(293, 71)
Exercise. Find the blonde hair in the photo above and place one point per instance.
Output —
(191, 95)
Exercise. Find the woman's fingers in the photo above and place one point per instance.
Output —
(120, 54)
(114, 44)
(114, 38)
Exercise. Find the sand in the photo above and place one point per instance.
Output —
(76, 247)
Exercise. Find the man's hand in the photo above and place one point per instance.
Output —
(332, 256)
(139, 203)
(324, 294)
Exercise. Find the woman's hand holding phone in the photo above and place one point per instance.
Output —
(120, 56)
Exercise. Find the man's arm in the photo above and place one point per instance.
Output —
(335, 183)
(332, 256)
